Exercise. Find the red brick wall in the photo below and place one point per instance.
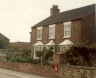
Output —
(36, 69)
(88, 28)
(60, 59)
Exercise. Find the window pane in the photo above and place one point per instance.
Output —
(52, 32)
(67, 28)
(39, 36)
(67, 33)
(36, 48)
(52, 35)
(63, 49)
(39, 33)
(40, 48)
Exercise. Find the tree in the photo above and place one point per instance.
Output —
(3, 44)
(46, 55)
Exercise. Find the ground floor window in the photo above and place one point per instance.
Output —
(37, 48)
(63, 48)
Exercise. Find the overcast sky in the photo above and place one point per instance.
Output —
(17, 16)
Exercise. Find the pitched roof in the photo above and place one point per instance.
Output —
(39, 43)
(67, 15)
(51, 43)
(66, 42)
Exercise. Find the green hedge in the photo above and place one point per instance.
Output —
(83, 55)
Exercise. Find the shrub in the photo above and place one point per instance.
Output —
(81, 55)
(36, 61)
(12, 59)
(29, 59)
(39, 53)
(20, 59)
(46, 55)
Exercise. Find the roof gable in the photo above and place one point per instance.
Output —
(67, 15)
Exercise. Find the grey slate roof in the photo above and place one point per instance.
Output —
(67, 15)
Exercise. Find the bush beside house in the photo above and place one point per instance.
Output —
(4, 41)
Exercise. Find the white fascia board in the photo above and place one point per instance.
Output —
(67, 23)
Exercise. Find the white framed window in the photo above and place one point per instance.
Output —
(63, 48)
(67, 29)
(39, 33)
(65, 45)
(37, 48)
(52, 31)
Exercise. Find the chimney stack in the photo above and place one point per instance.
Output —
(54, 10)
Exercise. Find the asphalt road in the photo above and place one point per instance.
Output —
(6, 76)
(5, 73)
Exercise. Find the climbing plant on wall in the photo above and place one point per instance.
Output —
(82, 55)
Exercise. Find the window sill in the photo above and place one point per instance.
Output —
(36, 58)
(39, 39)
(51, 38)
(66, 37)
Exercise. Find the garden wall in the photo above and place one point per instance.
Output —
(11, 52)
(69, 71)
(65, 71)
(36, 69)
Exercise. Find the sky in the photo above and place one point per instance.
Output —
(18, 16)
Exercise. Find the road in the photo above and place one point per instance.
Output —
(5, 73)
(6, 76)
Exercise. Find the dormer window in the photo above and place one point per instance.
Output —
(52, 31)
(39, 33)
(67, 29)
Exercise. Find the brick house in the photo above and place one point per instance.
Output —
(61, 30)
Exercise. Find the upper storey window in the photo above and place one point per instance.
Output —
(67, 29)
(52, 31)
(39, 33)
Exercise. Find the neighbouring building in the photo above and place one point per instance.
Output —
(5, 39)
(20, 45)
(61, 30)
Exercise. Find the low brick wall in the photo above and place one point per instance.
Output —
(36, 69)
(69, 71)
